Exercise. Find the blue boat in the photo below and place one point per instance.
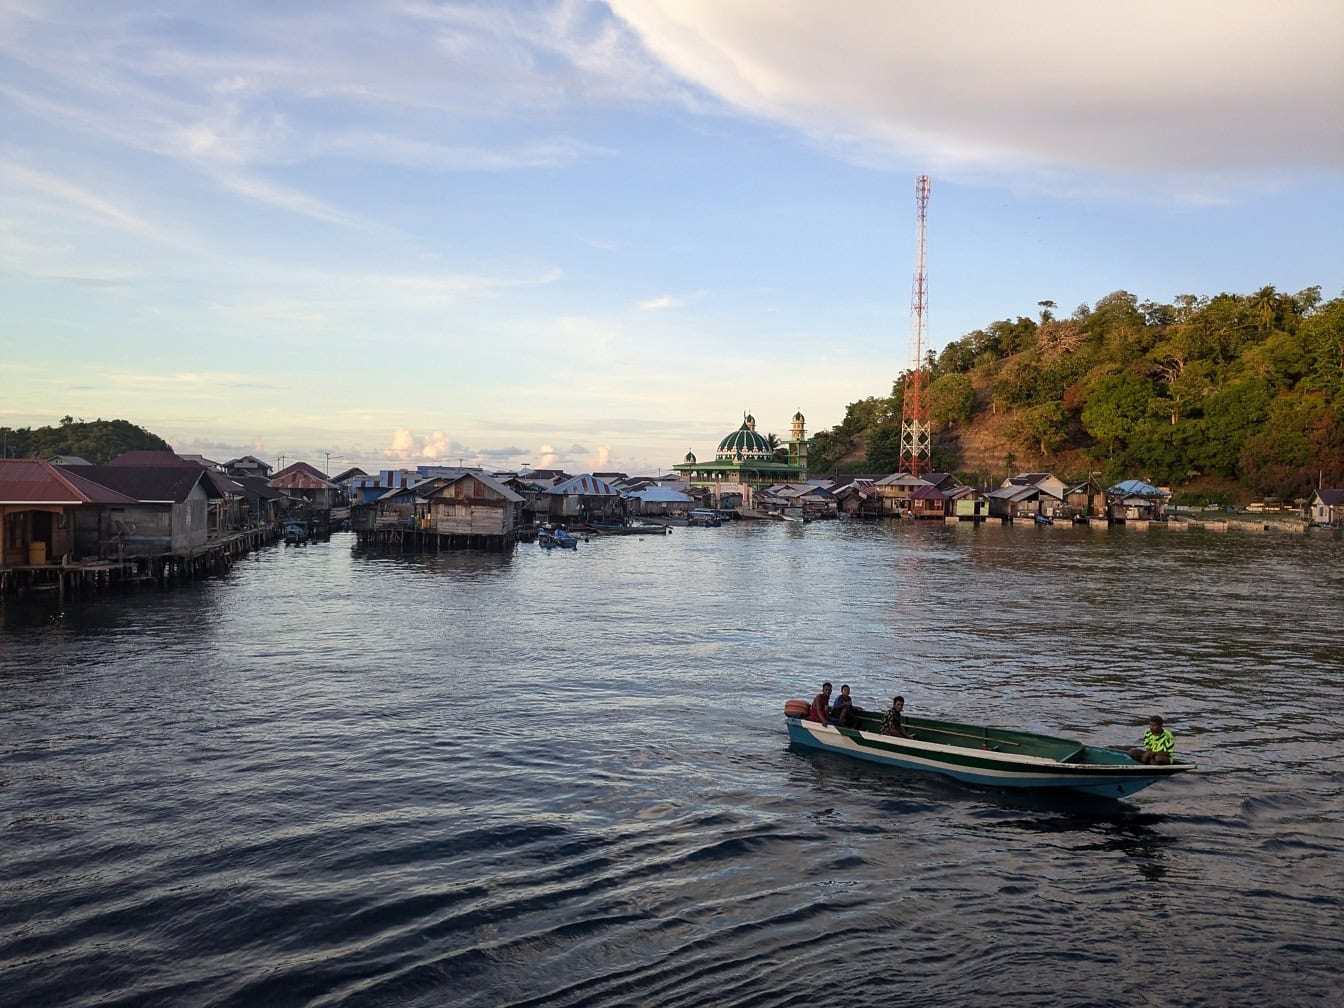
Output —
(551, 538)
(994, 757)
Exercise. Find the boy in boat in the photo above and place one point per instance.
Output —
(843, 712)
(1158, 744)
(891, 721)
(821, 705)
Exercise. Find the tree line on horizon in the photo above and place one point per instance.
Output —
(1244, 388)
(95, 441)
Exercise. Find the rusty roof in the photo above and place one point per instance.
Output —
(33, 481)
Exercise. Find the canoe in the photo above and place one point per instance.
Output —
(994, 757)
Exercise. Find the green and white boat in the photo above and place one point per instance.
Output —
(997, 757)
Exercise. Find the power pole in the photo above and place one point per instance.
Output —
(916, 433)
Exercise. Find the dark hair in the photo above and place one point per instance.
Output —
(899, 699)
(1156, 719)
(825, 685)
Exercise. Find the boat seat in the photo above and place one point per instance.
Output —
(1079, 755)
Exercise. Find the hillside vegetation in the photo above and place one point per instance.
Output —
(95, 441)
(1237, 392)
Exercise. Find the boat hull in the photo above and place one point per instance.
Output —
(1115, 775)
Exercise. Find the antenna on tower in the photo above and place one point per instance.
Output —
(916, 435)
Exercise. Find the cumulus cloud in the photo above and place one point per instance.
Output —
(407, 446)
(1205, 86)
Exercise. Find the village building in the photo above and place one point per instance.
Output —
(172, 509)
(966, 503)
(928, 502)
(659, 501)
(43, 508)
(1326, 508)
(895, 493)
(1135, 500)
(1084, 500)
(304, 484)
(584, 498)
(745, 462)
(248, 465)
(473, 506)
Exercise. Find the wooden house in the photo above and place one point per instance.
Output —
(928, 502)
(585, 498)
(1084, 500)
(967, 504)
(169, 511)
(1051, 485)
(1026, 501)
(260, 501)
(42, 507)
(894, 493)
(472, 504)
(659, 500)
(248, 465)
(1326, 508)
(305, 485)
(1135, 500)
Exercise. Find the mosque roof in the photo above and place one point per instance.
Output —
(746, 440)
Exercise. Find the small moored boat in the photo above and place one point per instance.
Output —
(551, 538)
(998, 757)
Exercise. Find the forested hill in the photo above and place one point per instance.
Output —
(95, 441)
(1238, 391)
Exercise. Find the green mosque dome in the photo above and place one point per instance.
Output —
(745, 443)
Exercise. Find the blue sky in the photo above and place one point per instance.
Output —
(592, 234)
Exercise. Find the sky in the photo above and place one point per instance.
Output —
(592, 235)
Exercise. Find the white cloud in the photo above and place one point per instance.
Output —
(654, 304)
(1198, 87)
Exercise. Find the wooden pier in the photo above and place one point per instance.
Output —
(400, 539)
(81, 578)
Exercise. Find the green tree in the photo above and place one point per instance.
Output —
(1117, 404)
(951, 400)
(884, 449)
(1042, 428)
(1231, 415)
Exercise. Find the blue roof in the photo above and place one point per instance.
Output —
(585, 486)
(1136, 488)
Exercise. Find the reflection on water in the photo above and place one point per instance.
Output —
(562, 778)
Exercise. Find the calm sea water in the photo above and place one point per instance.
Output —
(552, 778)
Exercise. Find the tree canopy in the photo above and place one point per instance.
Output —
(95, 441)
(1245, 387)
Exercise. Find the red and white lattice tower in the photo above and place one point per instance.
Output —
(916, 434)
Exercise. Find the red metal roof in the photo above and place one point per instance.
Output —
(33, 481)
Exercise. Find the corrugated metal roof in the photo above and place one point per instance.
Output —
(34, 481)
(902, 480)
(661, 495)
(1136, 488)
(151, 484)
(586, 485)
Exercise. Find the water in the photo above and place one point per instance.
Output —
(556, 778)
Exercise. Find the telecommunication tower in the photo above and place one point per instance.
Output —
(916, 434)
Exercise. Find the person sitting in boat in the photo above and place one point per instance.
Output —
(843, 711)
(891, 721)
(1158, 744)
(820, 710)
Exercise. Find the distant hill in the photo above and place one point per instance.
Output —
(1229, 394)
(96, 441)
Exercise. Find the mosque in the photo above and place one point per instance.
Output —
(745, 460)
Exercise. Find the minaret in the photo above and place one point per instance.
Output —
(798, 445)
